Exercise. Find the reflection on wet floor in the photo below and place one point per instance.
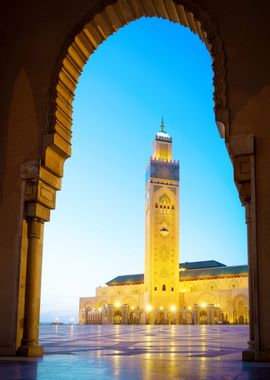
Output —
(137, 352)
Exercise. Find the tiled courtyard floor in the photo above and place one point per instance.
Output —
(137, 352)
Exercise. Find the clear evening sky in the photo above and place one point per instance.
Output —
(147, 69)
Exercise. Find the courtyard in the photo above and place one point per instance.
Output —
(137, 352)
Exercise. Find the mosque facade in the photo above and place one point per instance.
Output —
(205, 292)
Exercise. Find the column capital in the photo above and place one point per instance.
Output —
(242, 149)
(39, 191)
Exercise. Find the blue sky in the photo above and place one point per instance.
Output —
(147, 69)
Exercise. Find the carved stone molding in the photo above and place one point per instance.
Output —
(100, 22)
(241, 149)
(39, 196)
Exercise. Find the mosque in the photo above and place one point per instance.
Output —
(204, 292)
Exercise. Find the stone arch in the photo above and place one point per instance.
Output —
(117, 317)
(240, 298)
(43, 178)
(101, 303)
(240, 309)
(89, 34)
(130, 301)
(207, 298)
(203, 317)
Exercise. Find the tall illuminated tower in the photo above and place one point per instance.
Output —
(161, 275)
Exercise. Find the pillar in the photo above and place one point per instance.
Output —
(196, 314)
(39, 188)
(124, 312)
(242, 152)
(29, 345)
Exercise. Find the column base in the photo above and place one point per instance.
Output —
(251, 356)
(30, 351)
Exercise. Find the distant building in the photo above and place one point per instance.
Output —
(205, 292)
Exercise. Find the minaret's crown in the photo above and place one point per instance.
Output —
(162, 146)
(162, 134)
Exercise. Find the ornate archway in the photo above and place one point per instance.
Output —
(42, 179)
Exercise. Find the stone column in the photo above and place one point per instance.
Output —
(250, 277)
(39, 191)
(124, 311)
(242, 151)
(110, 310)
(211, 314)
(196, 314)
(29, 345)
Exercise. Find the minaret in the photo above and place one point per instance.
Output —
(161, 276)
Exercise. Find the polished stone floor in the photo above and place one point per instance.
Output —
(137, 352)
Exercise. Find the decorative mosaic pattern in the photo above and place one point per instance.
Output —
(162, 170)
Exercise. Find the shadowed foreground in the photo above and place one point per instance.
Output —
(138, 352)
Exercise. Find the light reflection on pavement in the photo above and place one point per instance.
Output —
(137, 352)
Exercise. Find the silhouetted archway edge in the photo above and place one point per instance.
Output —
(43, 179)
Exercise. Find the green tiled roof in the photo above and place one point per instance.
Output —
(218, 271)
(193, 270)
(127, 279)
(201, 264)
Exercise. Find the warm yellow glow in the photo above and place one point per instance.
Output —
(117, 304)
(99, 309)
(173, 308)
(148, 308)
(203, 304)
(132, 307)
(189, 308)
(161, 307)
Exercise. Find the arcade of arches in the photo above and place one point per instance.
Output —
(44, 51)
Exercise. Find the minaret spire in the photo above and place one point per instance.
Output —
(162, 126)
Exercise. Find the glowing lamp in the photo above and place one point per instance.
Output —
(203, 304)
(189, 308)
(173, 308)
(161, 308)
(148, 308)
(117, 304)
